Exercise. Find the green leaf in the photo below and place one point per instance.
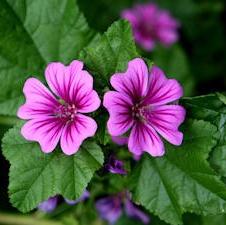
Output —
(124, 220)
(112, 53)
(191, 219)
(211, 108)
(35, 176)
(207, 107)
(174, 62)
(34, 33)
(182, 180)
(214, 220)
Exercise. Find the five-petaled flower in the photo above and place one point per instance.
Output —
(57, 116)
(140, 105)
(151, 24)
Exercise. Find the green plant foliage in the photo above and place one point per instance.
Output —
(33, 34)
(182, 180)
(211, 108)
(112, 53)
(35, 176)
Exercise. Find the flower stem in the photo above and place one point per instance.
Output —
(8, 120)
(14, 219)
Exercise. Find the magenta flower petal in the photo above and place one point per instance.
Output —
(119, 109)
(83, 93)
(60, 77)
(75, 133)
(166, 120)
(162, 90)
(144, 138)
(137, 157)
(58, 118)
(39, 100)
(45, 130)
(138, 109)
(134, 81)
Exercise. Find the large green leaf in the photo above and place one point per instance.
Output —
(35, 176)
(211, 108)
(182, 180)
(214, 220)
(112, 53)
(34, 33)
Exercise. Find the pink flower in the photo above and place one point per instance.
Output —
(140, 106)
(57, 116)
(151, 24)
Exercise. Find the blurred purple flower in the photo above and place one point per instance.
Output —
(110, 208)
(151, 24)
(134, 212)
(115, 166)
(83, 197)
(49, 205)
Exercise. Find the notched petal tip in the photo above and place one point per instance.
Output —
(76, 65)
(137, 62)
(154, 70)
(28, 84)
(46, 149)
(70, 151)
(158, 153)
(133, 82)
(21, 112)
(178, 139)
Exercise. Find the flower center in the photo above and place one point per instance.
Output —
(66, 112)
(140, 112)
(148, 30)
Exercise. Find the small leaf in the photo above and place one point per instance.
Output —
(112, 53)
(211, 108)
(182, 180)
(35, 176)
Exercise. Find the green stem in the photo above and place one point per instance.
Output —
(14, 219)
(8, 120)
